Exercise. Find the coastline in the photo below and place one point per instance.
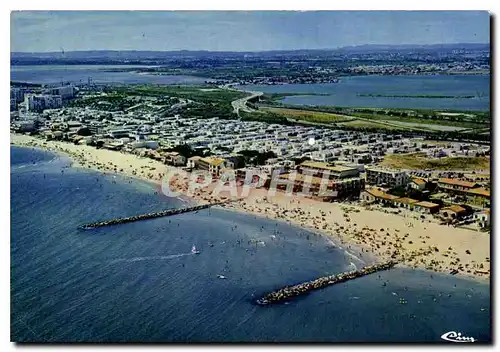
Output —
(375, 235)
(353, 249)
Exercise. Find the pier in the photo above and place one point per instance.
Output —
(306, 287)
(147, 216)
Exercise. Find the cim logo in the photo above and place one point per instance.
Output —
(453, 336)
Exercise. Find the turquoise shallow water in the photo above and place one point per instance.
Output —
(138, 282)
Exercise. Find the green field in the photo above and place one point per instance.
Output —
(361, 124)
(204, 101)
(409, 119)
(197, 93)
(306, 115)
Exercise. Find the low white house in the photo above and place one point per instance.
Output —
(483, 219)
(193, 161)
(417, 184)
(144, 144)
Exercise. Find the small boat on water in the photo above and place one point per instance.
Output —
(194, 251)
(221, 276)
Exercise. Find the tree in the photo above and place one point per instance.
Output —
(84, 131)
(300, 160)
(186, 151)
(255, 157)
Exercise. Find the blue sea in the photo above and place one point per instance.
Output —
(138, 282)
(349, 91)
(101, 74)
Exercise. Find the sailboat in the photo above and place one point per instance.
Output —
(194, 251)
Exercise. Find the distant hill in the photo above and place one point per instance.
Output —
(131, 56)
(412, 47)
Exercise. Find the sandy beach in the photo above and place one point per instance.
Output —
(373, 232)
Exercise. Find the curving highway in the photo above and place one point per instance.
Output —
(241, 104)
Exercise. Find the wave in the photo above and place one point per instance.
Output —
(353, 256)
(140, 259)
(20, 166)
(58, 162)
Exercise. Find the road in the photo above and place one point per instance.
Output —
(241, 104)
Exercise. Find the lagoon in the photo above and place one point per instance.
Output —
(355, 91)
(100, 74)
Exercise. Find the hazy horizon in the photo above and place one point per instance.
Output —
(54, 31)
(242, 51)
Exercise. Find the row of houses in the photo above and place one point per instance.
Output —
(474, 193)
(448, 213)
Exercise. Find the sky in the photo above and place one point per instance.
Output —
(44, 31)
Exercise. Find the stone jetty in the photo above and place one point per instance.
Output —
(306, 287)
(147, 216)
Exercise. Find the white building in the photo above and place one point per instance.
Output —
(39, 103)
(17, 94)
(386, 177)
(193, 161)
(417, 184)
(53, 102)
(34, 102)
(322, 156)
(66, 92)
(483, 219)
(144, 144)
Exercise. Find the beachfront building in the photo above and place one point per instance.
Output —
(453, 185)
(318, 169)
(478, 196)
(192, 162)
(256, 175)
(417, 184)
(426, 207)
(113, 145)
(483, 219)
(148, 144)
(174, 158)
(405, 202)
(386, 177)
(96, 127)
(24, 126)
(212, 165)
(453, 212)
(331, 189)
(374, 195)
(120, 133)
